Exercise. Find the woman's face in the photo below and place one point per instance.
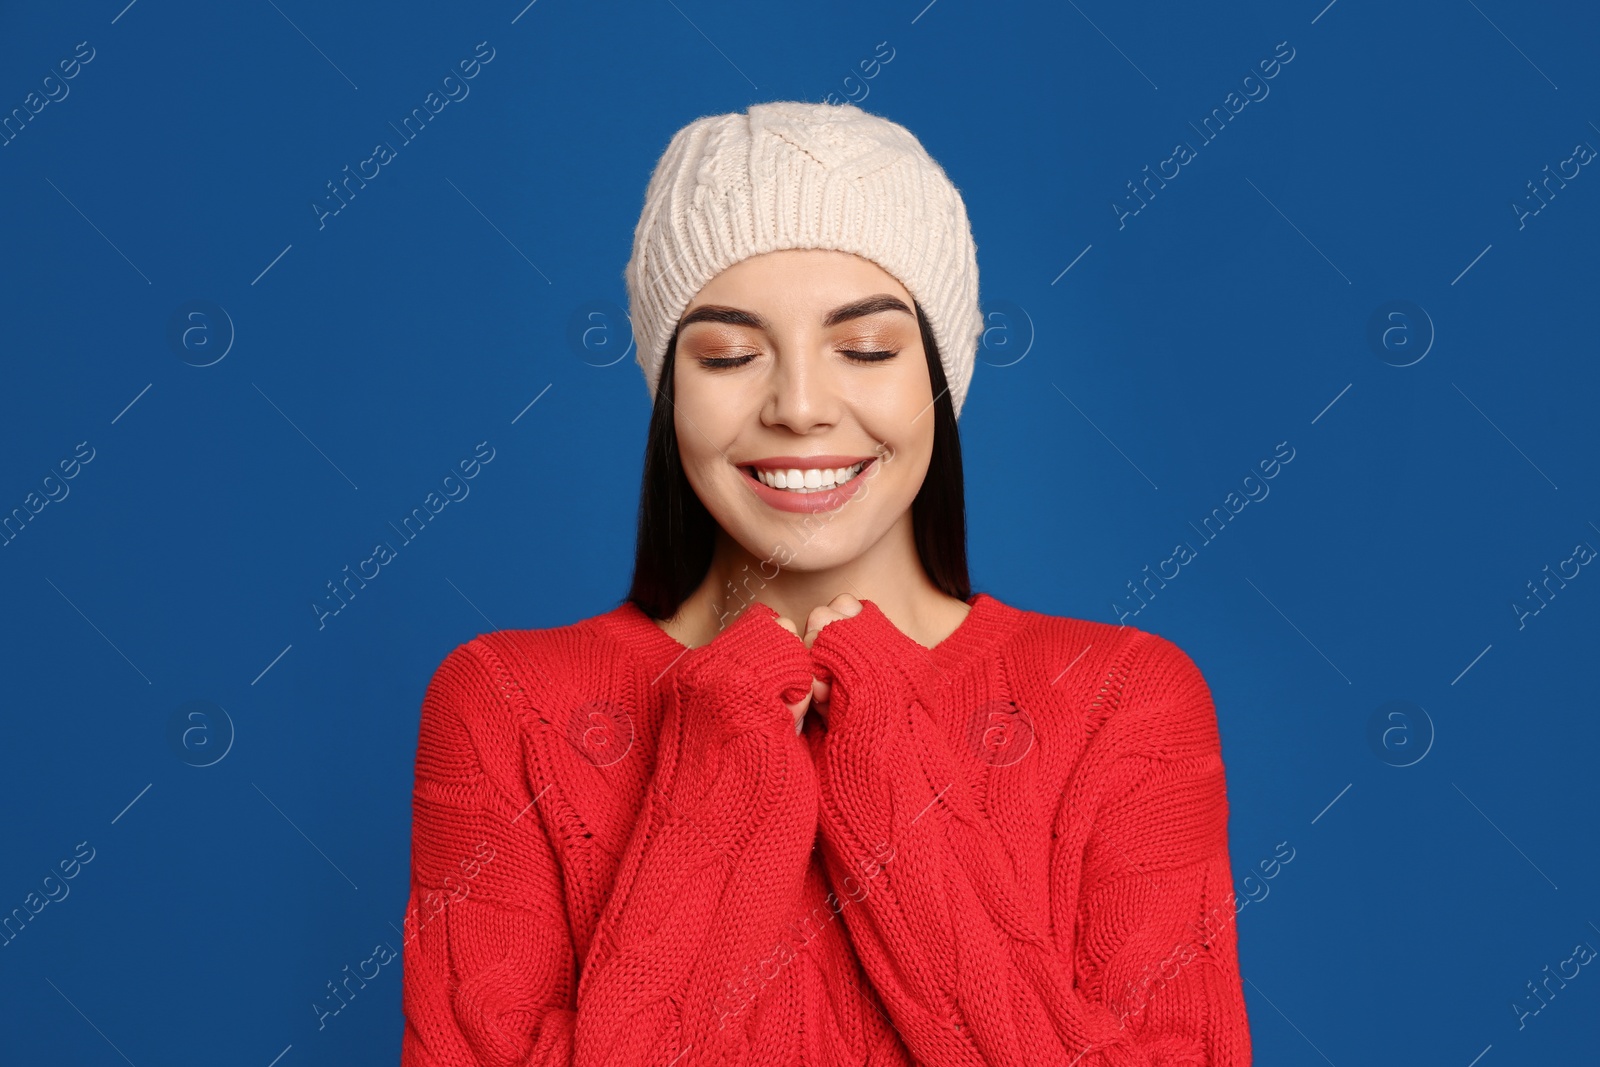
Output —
(763, 379)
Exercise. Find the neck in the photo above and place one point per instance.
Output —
(889, 573)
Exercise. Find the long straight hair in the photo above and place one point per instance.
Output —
(677, 534)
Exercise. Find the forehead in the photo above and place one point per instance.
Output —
(798, 281)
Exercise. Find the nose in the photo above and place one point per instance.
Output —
(803, 391)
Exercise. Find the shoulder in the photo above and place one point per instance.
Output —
(1125, 672)
(1080, 650)
(490, 693)
(507, 683)
(546, 665)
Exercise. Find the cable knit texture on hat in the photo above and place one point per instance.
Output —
(791, 174)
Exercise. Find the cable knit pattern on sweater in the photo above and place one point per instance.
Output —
(1009, 849)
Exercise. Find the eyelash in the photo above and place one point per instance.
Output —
(739, 361)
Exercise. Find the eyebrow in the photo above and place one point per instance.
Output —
(843, 313)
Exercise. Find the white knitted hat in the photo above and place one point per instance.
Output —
(792, 174)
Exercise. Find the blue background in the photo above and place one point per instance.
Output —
(472, 292)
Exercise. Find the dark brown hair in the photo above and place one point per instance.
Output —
(677, 534)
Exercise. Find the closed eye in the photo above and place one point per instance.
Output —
(857, 356)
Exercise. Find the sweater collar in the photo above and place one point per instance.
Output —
(988, 621)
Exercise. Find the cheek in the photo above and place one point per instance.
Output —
(906, 404)
(908, 432)
(907, 470)
(705, 436)
(705, 424)
(702, 464)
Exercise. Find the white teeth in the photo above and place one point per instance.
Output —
(816, 480)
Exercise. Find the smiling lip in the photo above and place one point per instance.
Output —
(784, 463)
(805, 502)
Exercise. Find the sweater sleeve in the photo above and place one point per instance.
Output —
(717, 852)
(972, 970)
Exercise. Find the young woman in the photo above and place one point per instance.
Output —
(804, 797)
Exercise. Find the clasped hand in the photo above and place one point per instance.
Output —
(843, 606)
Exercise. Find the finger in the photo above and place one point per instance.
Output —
(846, 605)
(820, 616)
(843, 606)
(821, 689)
(799, 708)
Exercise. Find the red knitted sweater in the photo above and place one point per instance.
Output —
(1009, 850)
